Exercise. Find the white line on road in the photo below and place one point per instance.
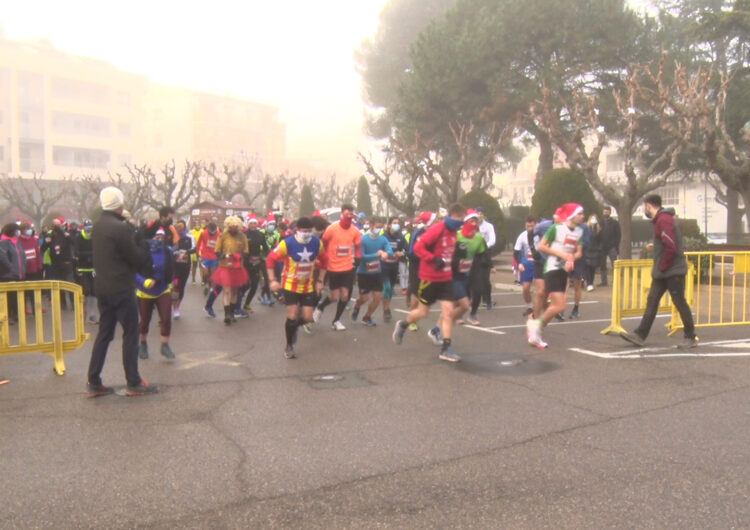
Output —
(555, 323)
(651, 352)
(498, 307)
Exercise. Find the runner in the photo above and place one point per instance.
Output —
(435, 250)
(562, 244)
(375, 247)
(230, 274)
(471, 248)
(299, 255)
(195, 233)
(184, 249)
(525, 258)
(272, 239)
(339, 240)
(390, 264)
(579, 273)
(254, 264)
(209, 262)
(155, 289)
(424, 221)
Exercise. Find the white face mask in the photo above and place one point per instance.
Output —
(304, 237)
(374, 232)
(367, 228)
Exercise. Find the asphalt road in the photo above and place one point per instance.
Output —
(359, 433)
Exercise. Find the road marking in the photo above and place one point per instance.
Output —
(556, 323)
(216, 358)
(651, 352)
(486, 330)
(498, 307)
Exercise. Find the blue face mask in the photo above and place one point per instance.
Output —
(453, 224)
(156, 245)
(395, 228)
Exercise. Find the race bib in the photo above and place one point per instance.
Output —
(30, 254)
(182, 256)
(254, 260)
(570, 243)
(373, 266)
(342, 250)
(211, 243)
(303, 271)
(464, 265)
(529, 255)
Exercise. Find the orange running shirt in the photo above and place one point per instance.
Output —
(342, 245)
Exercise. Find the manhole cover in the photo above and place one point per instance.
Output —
(504, 364)
(327, 378)
(329, 381)
(512, 362)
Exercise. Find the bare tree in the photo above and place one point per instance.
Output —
(83, 193)
(575, 129)
(170, 187)
(35, 196)
(232, 183)
(393, 188)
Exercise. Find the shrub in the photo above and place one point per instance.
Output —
(492, 212)
(560, 186)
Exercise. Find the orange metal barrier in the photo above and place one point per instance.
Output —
(55, 347)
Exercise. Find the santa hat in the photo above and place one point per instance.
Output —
(60, 220)
(471, 213)
(426, 218)
(271, 220)
(316, 213)
(252, 218)
(159, 232)
(567, 211)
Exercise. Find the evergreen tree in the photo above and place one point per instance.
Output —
(307, 204)
(364, 202)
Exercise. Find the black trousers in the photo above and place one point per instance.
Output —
(676, 287)
(122, 308)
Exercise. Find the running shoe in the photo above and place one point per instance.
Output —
(176, 314)
(688, 342)
(209, 311)
(449, 355)
(367, 321)
(338, 326)
(387, 315)
(141, 389)
(307, 328)
(413, 327)
(527, 312)
(633, 338)
(96, 390)
(435, 336)
(289, 352)
(560, 316)
(316, 315)
(472, 320)
(239, 313)
(92, 320)
(532, 328)
(398, 332)
(355, 312)
(143, 350)
(538, 342)
(574, 314)
(166, 351)
(589, 288)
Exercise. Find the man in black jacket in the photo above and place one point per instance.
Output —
(609, 241)
(116, 259)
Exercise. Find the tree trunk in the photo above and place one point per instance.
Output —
(625, 218)
(546, 157)
(734, 215)
(746, 211)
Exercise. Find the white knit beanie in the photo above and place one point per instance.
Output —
(111, 198)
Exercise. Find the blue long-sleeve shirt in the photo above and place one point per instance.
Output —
(370, 262)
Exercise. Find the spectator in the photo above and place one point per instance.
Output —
(609, 239)
(30, 244)
(592, 251)
(12, 264)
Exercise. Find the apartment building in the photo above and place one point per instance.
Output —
(63, 114)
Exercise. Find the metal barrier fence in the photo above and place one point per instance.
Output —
(55, 347)
(720, 287)
(630, 285)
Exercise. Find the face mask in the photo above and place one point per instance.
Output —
(395, 228)
(304, 237)
(469, 230)
(156, 244)
(17, 233)
(271, 229)
(453, 224)
(374, 233)
(367, 228)
(29, 232)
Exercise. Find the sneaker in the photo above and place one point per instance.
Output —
(92, 320)
(413, 327)
(367, 321)
(472, 321)
(355, 312)
(633, 338)
(538, 342)
(141, 389)
(316, 315)
(387, 315)
(527, 312)
(560, 317)
(532, 328)
(398, 333)
(589, 288)
(435, 336)
(574, 314)
(449, 355)
(307, 328)
(289, 352)
(490, 305)
(96, 390)
(143, 350)
(338, 326)
(209, 312)
(239, 313)
(246, 307)
(166, 351)
(176, 314)
(688, 342)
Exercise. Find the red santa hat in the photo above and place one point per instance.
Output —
(426, 218)
(60, 220)
(471, 213)
(252, 218)
(160, 232)
(567, 211)
(316, 213)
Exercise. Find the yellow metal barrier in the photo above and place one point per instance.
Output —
(630, 285)
(58, 345)
(721, 292)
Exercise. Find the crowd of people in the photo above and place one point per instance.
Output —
(307, 265)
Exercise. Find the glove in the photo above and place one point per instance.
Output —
(356, 262)
(439, 263)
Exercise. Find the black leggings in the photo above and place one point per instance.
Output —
(181, 274)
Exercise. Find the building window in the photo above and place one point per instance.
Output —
(64, 122)
(31, 155)
(73, 89)
(615, 162)
(80, 157)
(670, 196)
